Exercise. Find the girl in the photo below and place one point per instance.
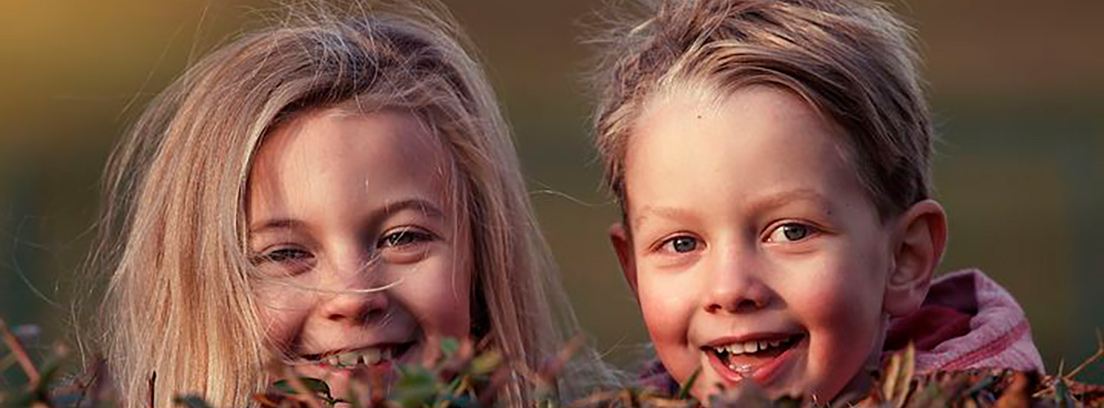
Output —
(329, 190)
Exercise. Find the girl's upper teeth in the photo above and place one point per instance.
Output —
(748, 346)
(366, 356)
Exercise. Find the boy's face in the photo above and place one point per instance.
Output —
(753, 248)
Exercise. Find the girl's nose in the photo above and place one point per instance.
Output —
(354, 306)
(734, 286)
(354, 295)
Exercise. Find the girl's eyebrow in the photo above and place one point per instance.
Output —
(278, 223)
(426, 207)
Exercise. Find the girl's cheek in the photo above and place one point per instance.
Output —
(282, 312)
(436, 292)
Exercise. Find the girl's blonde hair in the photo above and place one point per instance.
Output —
(174, 234)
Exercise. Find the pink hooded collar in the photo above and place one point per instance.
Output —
(967, 321)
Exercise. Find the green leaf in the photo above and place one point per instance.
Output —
(449, 346)
(191, 401)
(486, 363)
(461, 402)
(417, 386)
(313, 384)
(684, 391)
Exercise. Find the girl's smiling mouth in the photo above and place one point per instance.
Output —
(363, 357)
(759, 357)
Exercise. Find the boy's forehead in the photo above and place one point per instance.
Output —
(764, 146)
(684, 94)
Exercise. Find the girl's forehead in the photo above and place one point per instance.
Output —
(362, 158)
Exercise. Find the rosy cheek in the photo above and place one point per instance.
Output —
(841, 313)
(437, 295)
(664, 308)
(668, 309)
(282, 314)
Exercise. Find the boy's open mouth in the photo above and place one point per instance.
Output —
(349, 359)
(756, 358)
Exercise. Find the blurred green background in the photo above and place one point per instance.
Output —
(1017, 87)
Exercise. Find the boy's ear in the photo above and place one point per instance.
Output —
(622, 245)
(921, 235)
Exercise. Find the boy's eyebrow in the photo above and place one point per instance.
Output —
(768, 201)
(784, 197)
(666, 212)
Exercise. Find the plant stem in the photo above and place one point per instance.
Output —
(19, 353)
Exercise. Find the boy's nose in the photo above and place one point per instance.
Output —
(734, 287)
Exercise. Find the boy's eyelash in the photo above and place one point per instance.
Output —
(791, 231)
(681, 243)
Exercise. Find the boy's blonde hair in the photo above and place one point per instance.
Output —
(850, 59)
(174, 234)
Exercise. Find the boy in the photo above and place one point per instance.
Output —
(771, 159)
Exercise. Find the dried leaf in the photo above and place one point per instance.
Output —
(898, 377)
(1017, 395)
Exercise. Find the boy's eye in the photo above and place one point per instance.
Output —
(790, 232)
(403, 237)
(682, 244)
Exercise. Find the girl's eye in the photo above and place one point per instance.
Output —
(404, 237)
(791, 232)
(282, 255)
(682, 244)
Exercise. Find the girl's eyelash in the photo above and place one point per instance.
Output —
(280, 255)
(404, 236)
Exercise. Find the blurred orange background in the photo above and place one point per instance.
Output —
(1017, 87)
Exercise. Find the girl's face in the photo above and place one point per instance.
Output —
(359, 260)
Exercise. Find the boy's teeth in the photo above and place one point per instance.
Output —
(748, 346)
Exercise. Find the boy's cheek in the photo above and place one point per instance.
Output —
(667, 309)
(843, 335)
